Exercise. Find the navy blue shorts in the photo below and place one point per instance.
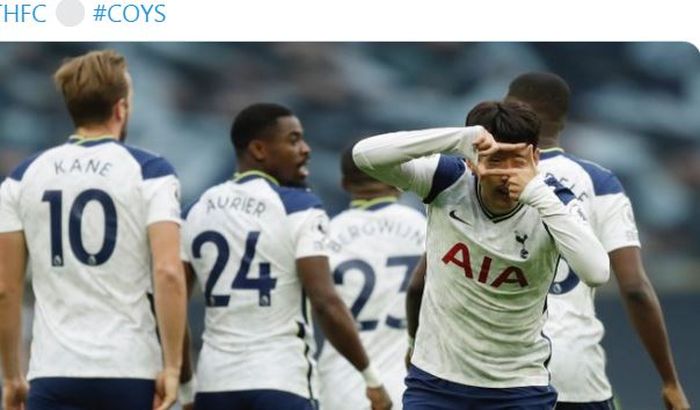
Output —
(253, 400)
(69, 393)
(599, 405)
(427, 392)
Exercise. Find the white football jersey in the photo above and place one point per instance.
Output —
(487, 279)
(243, 238)
(374, 247)
(84, 207)
(484, 302)
(578, 359)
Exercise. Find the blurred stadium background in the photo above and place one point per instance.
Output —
(635, 110)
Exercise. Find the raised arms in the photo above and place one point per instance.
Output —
(402, 158)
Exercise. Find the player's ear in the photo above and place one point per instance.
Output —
(121, 109)
(258, 150)
(536, 156)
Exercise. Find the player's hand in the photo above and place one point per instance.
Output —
(407, 358)
(14, 394)
(674, 398)
(379, 398)
(167, 383)
(484, 144)
(516, 178)
(522, 176)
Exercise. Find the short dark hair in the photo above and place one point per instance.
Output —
(510, 122)
(547, 93)
(253, 121)
(351, 173)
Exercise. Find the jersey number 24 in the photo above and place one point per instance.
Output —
(263, 284)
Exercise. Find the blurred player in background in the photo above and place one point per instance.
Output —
(578, 359)
(494, 239)
(97, 220)
(374, 247)
(258, 244)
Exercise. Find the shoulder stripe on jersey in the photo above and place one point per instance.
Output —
(19, 171)
(448, 171)
(565, 195)
(297, 199)
(604, 181)
(152, 165)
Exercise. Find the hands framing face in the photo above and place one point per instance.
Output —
(514, 164)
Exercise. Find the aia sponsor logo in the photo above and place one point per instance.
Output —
(459, 256)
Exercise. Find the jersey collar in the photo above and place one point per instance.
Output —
(551, 152)
(89, 142)
(243, 177)
(372, 204)
(493, 217)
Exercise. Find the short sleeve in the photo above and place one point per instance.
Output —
(162, 199)
(10, 220)
(311, 233)
(614, 221)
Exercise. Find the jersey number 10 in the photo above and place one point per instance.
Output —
(75, 225)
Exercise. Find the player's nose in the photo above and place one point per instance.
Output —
(305, 149)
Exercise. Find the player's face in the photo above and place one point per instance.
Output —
(494, 188)
(288, 153)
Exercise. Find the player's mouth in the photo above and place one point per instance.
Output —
(502, 191)
(303, 169)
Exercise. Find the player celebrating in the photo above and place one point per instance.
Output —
(85, 213)
(258, 247)
(494, 239)
(374, 247)
(578, 359)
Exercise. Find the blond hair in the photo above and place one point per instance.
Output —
(91, 84)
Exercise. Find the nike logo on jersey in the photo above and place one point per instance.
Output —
(453, 215)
